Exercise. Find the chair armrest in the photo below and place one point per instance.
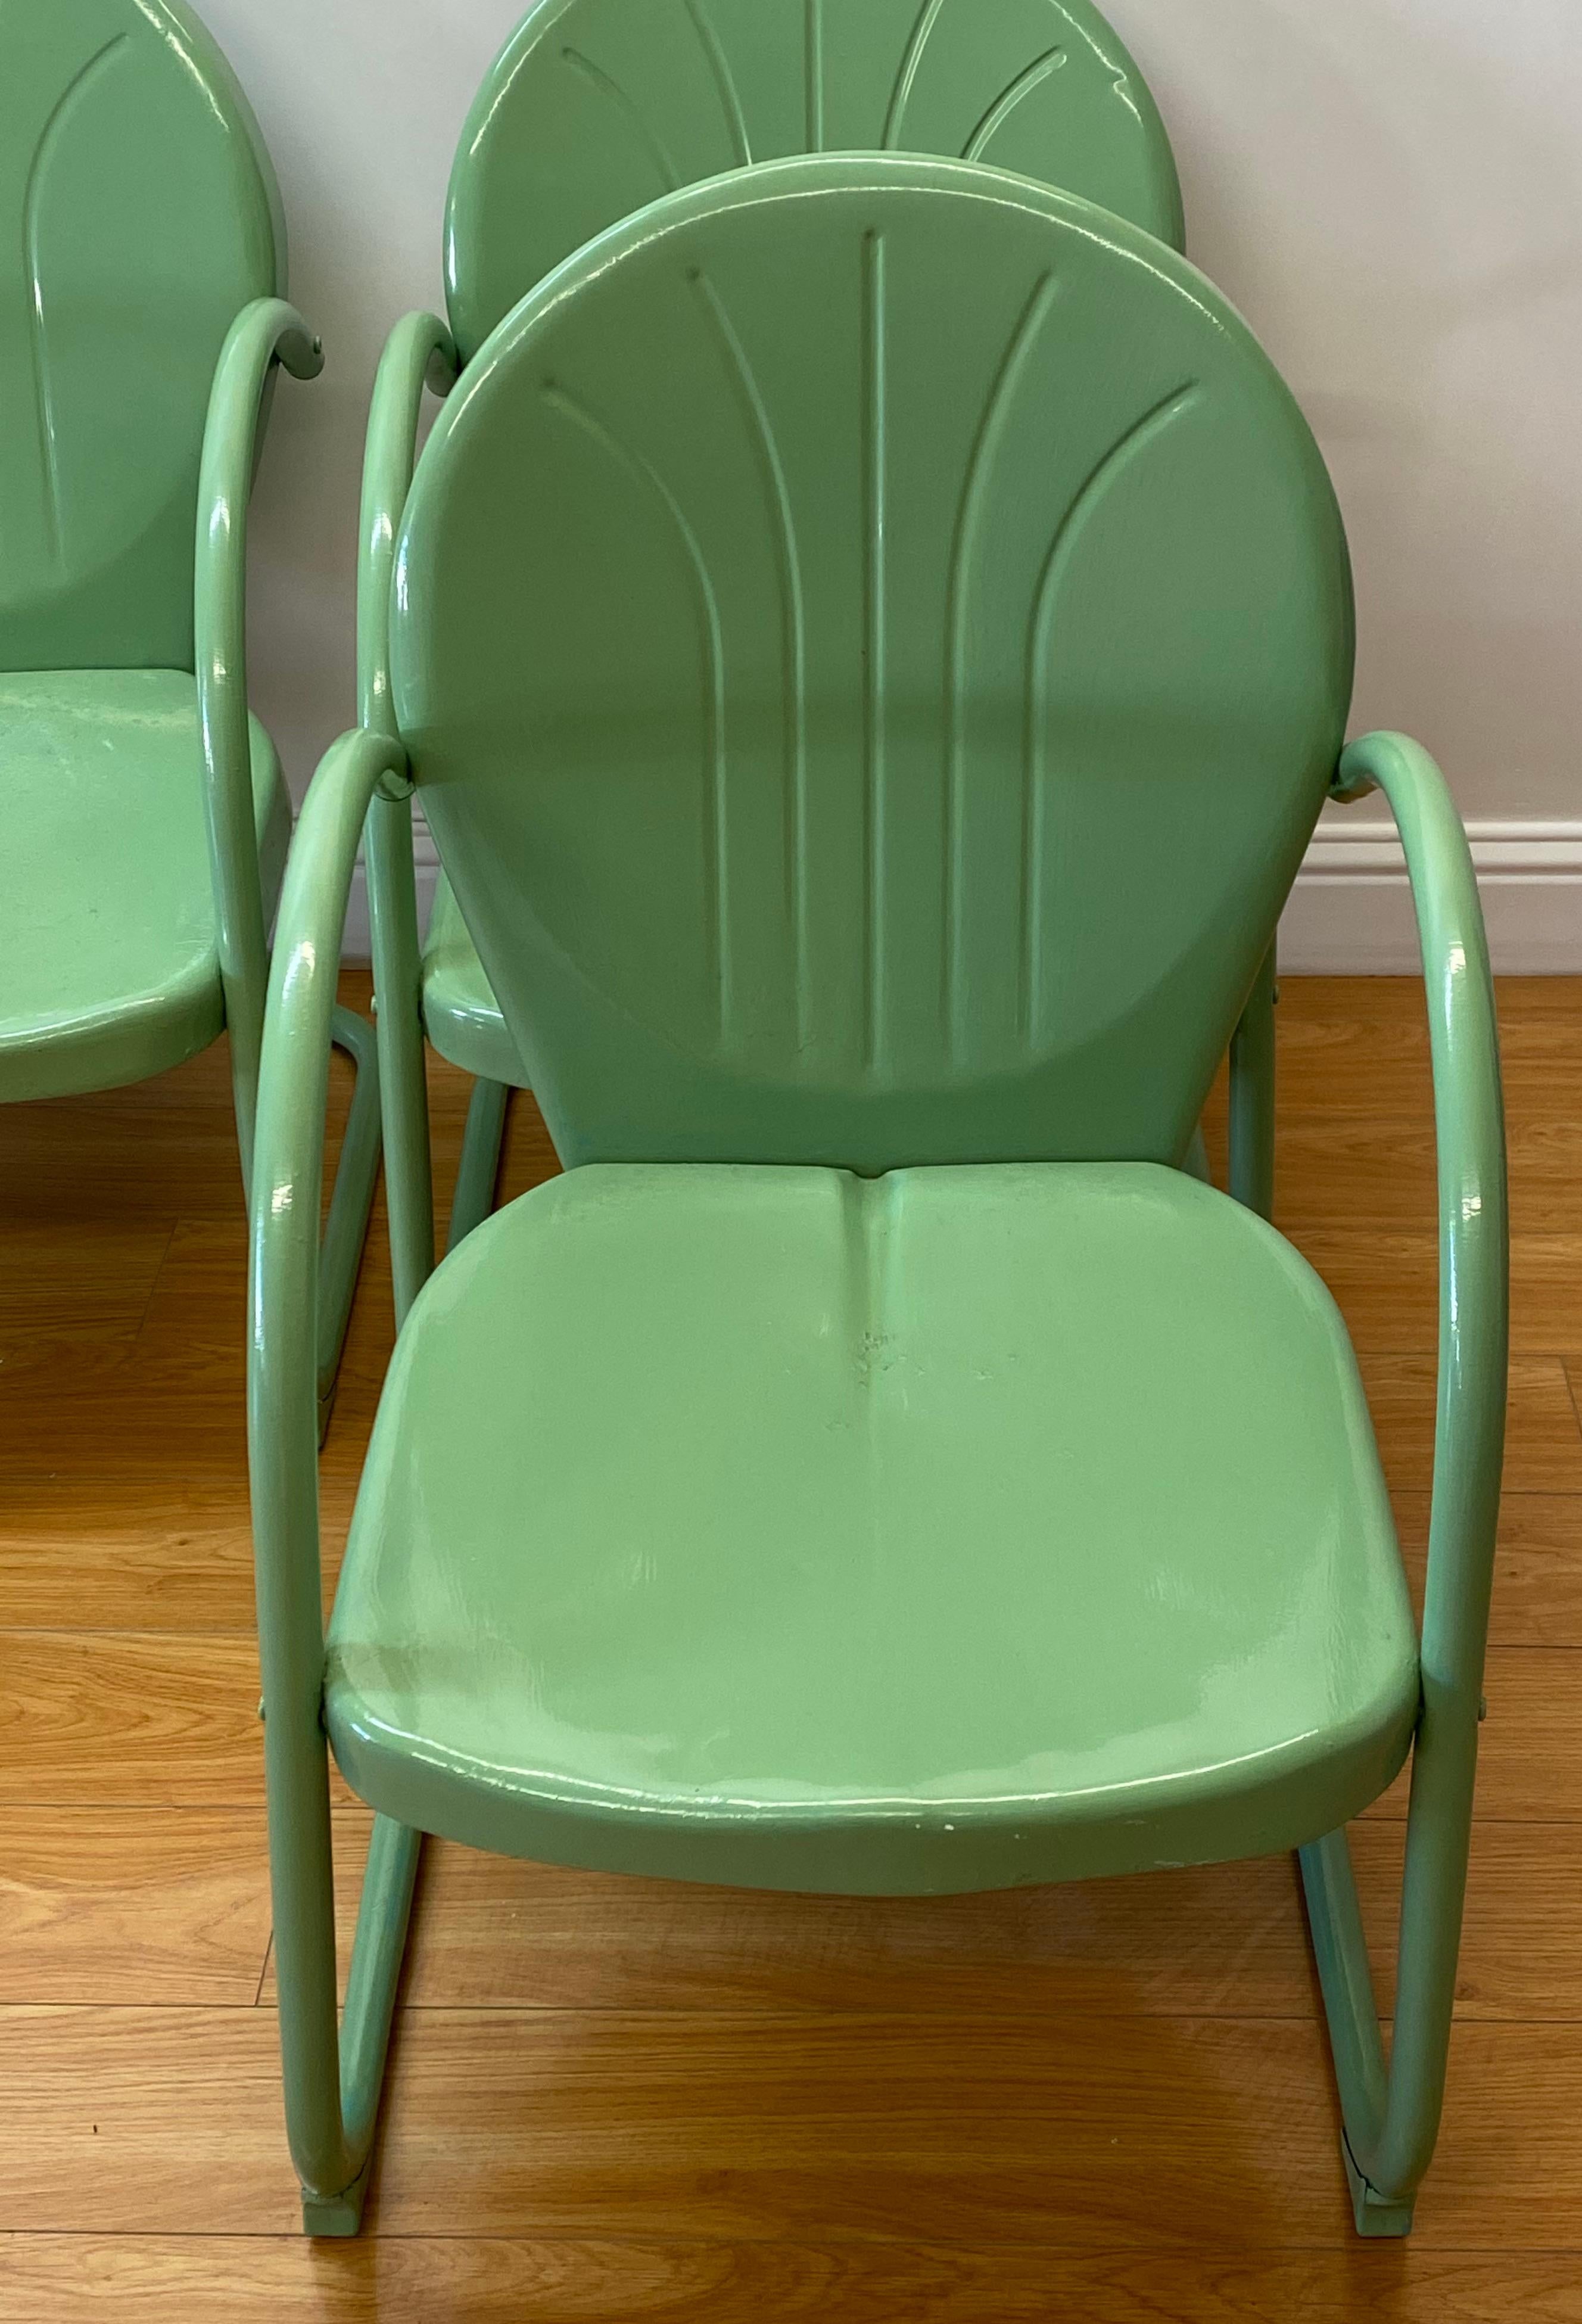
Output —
(419, 353)
(283, 1372)
(265, 333)
(1474, 1235)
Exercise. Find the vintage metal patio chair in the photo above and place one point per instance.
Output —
(147, 819)
(872, 757)
(595, 108)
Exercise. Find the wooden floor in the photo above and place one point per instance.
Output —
(614, 2100)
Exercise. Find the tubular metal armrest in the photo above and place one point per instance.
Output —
(263, 333)
(419, 352)
(330, 2112)
(1392, 2116)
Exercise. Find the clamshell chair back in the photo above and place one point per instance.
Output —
(596, 107)
(142, 217)
(882, 725)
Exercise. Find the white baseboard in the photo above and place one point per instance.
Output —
(1351, 912)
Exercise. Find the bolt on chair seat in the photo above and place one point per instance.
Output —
(109, 948)
(954, 1530)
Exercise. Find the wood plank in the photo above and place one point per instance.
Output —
(80, 1551)
(68, 1301)
(1529, 1748)
(1538, 1566)
(1386, 1285)
(142, 1906)
(133, 1906)
(1520, 1959)
(1359, 1046)
(174, 1412)
(1086, 2135)
(492, 1932)
(283, 2280)
(1082, 2134)
(112, 1720)
(176, 1406)
(1543, 1442)
(159, 1151)
(129, 1719)
(1222, 1941)
(1379, 1172)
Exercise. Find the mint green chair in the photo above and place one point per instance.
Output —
(146, 817)
(871, 738)
(595, 108)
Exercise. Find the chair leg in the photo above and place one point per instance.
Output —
(1340, 1950)
(479, 1165)
(332, 2076)
(377, 1952)
(350, 1204)
(1391, 2112)
(333, 2083)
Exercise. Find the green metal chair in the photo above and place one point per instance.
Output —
(595, 108)
(147, 819)
(871, 739)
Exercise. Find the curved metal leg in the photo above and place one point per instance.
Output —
(357, 2061)
(481, 1145)
(333, 2082)
(350, 1204)
(1340, 1950)
(333, 2076)
(1392, 2114)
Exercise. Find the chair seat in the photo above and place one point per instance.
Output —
(957, 1529)
(109, 970)
(460, 1013)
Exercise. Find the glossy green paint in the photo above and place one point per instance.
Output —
(266, 335)
(266, 332)
(140, 331)
(332, 2076)
(595, 108)
(109, 968)
(421, 351)
(1391, 2114)
(143, 215)
(957, 1529)
(856, 744)
(460, 1013)
(478, 1171)
(730, 1515)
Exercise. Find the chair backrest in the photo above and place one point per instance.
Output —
(873, 637)
(595, 108)
(143, 215)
